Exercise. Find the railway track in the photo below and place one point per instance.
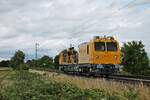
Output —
(130, 79)
(134, 76)
(127, 79)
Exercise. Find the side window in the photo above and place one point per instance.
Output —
(87, 49)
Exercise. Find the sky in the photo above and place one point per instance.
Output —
(55, 24)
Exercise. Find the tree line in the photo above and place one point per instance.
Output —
(18, 62)
(134, 60)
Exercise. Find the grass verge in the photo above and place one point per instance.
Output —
(33, 86)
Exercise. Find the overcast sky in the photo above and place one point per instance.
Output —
(55, 24)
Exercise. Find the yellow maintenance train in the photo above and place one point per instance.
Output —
(101, 55)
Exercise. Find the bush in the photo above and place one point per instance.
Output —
(4, 63)
(24, 67)
(28, 86)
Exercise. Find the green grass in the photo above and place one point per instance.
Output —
(123, 91)
(31, 86)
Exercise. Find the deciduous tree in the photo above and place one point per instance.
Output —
(17, 60)
(135, 59)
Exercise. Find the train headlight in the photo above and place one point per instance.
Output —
(115, 57)
(97, 57)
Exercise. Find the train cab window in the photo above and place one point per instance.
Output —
(99, 46)
(87, 49)
(111, 46)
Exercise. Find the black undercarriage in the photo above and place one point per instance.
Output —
(90, 69)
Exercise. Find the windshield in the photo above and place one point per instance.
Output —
(99, 46)
(111, 46)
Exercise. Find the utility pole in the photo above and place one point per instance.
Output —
(36, 53)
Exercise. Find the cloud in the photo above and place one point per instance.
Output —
(56, 24)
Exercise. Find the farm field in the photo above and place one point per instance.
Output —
(44, 85)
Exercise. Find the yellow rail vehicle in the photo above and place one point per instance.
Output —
(68, 59)
(99, 56)
(100, 51)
